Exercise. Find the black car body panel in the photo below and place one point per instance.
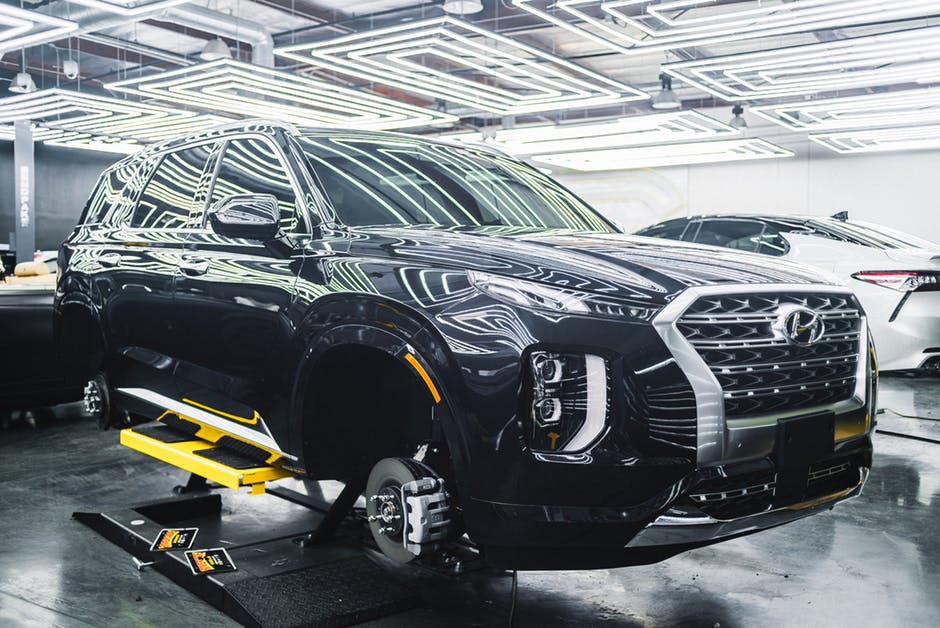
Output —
(331, 346)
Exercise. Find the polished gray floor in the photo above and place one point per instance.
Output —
(874, 561)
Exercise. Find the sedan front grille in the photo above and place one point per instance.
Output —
(758, 369)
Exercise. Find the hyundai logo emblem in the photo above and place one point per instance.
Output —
(800, 325)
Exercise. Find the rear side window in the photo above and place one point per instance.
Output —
(671, 229)
(251, 166)
(106, 194)
(743, 235)
(167, 199)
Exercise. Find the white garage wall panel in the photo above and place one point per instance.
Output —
(901, 190)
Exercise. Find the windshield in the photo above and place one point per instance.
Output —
(388, 180)
(865, 234)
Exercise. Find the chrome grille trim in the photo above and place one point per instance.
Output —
(757, 489)
(748, 344)
(760, 317)
(829, 471)
(721, 439)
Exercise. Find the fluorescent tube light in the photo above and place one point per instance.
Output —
(243, 89)
(102, 119)
(130, 7)
(914, 106)
(20, 28)
(456, 61)
(636, 26)
(657, 128)
(859, 62)
(665, 155)
(880, 140)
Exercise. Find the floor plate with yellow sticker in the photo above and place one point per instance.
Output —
(190, 453)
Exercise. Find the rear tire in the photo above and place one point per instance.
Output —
(98, 404)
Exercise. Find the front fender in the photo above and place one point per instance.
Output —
(396, 330)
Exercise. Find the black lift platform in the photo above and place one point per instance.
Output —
(299, 559)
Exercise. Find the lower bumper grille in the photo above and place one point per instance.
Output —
(743, 495)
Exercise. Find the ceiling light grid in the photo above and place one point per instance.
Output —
(634, 26)
(20, 28)
(102, 119)
(901, 57)
(234, 87)
(666, 155)
(655, 128)
(71, 139)
(456, 61)
(917, 106)
(130, 7)
(880, 140)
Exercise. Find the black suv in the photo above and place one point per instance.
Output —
(494, 355)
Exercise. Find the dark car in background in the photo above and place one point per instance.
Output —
(492, 353)
(31, 376)
(894, 275)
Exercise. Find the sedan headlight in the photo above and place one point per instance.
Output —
(539, 296)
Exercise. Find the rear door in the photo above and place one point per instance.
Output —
(138, 271)
(235, 297)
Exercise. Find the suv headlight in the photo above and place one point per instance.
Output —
(569, 401)
(539, 296)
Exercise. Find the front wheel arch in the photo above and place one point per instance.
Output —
(386, 368)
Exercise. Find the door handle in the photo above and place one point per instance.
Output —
(194, 267)
(109, 260)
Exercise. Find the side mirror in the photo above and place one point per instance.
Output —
(250, 216)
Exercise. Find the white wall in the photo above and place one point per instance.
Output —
(901, 190)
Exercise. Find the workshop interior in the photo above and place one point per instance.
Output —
(469, 313)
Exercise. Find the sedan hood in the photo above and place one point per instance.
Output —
(628, 266)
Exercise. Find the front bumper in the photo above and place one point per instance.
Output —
(681, 527)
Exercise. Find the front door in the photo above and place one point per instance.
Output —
(235, 297)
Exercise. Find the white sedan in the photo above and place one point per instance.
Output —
(896, 276)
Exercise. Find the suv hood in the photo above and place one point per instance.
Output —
(628, 266)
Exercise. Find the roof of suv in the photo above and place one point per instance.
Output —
(269, 127)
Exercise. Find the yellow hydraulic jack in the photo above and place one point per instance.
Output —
(201, 457)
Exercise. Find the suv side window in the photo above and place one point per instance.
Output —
(107, 193)
(252, 166)
(167, 199)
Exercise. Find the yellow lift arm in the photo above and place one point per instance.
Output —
(187, 455)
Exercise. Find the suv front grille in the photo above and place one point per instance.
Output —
(761, 372)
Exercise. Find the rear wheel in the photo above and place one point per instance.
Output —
(98, 405)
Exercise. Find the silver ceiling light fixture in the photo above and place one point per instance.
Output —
(215, 49)
(666, 98)
(23, 83)
(462, 7)
(737, 120)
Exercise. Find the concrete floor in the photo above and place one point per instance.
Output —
(874, 561)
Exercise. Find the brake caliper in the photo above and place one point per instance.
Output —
(428, 515)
